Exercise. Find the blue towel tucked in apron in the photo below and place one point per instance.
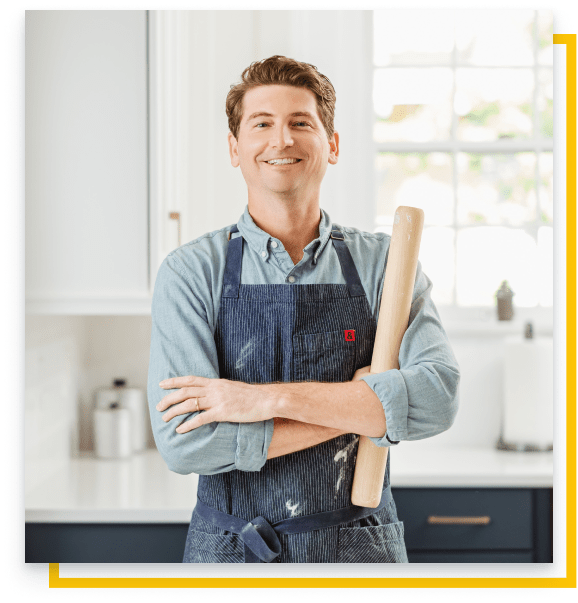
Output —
(289, 333)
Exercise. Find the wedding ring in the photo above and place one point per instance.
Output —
(197, 401)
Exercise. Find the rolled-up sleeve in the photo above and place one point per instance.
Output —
(420, 399)
(182, 344)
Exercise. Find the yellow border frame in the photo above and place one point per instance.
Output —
(55, 581)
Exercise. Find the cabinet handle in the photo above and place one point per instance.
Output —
(175, 215)
(436, 519)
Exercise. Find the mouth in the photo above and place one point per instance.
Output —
(287, 161)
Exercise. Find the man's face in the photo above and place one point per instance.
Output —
(282, 123)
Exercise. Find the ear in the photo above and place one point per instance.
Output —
(334, 148)
(233, 150)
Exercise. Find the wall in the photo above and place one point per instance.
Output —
(69, 357)
(119, 347)
(116, 347)
(54, 371)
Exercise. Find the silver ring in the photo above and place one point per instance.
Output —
(197, 402)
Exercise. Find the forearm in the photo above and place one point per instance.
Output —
(350, 407)
(290, 436)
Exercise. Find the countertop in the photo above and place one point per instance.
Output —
(141, 489)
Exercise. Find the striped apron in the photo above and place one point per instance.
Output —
(297, 508)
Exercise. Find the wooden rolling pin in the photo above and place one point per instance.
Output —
(394, 311)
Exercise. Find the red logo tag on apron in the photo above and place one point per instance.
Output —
(350, 335)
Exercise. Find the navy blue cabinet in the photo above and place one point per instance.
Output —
(442, 525)
(477, 525)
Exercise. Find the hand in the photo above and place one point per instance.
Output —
(219, 399)
(359, 373)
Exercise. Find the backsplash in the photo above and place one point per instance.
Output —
(69, 357)
(117, 347)
(53, 374)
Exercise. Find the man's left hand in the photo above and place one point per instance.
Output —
(220, 399)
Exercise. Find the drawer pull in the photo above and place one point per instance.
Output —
(436, 519)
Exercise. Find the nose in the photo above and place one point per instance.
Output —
(281, 137)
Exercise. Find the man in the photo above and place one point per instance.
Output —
(262, 336)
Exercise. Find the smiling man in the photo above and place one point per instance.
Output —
(262, 336)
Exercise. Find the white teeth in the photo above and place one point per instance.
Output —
(282, 161)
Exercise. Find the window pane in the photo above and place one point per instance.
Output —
(421, 180)
(494, 103)
(495, 37)
(545, 39)
(412, 37)
(496, 189)
(546, 188)
(489, 255)
(412, 104)
(546, 102)
(546, 265)
(437, 258)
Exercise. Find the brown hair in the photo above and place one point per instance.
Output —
(279, 70)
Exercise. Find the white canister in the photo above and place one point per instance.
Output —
(112, 432)
(105, 396)
(133, 399)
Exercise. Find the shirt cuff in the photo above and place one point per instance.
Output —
(390, 388)
(253, 441)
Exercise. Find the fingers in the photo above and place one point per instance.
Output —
(177, 382)
(181, 395)
(201, 419)
(183, 408)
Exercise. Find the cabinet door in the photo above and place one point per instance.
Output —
(105, 543)
(454, 519)
(86, 158)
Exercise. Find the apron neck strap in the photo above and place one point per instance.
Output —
(347, 264)
(232, 275)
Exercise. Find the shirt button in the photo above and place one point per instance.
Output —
(274, 244)
(291, 279)
(263, 254)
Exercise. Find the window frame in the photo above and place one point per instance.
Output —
(480, 319)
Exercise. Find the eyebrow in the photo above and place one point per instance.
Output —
(265, 114)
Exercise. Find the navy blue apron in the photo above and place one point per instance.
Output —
(297, 508)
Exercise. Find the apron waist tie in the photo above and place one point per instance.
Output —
(260, 537)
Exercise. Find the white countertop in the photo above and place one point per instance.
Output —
(142, 489)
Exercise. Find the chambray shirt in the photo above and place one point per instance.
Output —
(419, 400)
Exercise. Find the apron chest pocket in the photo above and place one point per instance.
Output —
(323, 357)
(372, 544)
(213, 548)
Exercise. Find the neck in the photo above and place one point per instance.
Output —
(294, 224)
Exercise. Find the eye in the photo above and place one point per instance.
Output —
(261, 124)
(301, 123)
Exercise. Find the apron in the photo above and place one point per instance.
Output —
(297, 508)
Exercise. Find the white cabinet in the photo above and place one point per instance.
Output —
(87, 227)
(126, 127)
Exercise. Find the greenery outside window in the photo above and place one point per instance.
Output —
(463, 128)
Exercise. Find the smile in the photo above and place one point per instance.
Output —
(287, 161)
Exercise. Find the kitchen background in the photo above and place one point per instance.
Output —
(126, 158)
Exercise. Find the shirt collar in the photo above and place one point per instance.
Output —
(259, 241)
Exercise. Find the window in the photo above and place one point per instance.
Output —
(463, 128)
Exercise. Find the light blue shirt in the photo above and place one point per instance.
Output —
(420, 400)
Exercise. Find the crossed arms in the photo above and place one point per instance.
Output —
(243, 425)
